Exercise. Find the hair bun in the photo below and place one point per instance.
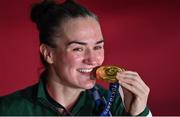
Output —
(40, 11)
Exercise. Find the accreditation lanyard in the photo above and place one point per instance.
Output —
(101, 101)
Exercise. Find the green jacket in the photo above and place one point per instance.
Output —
(33, 100)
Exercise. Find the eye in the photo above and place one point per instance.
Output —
(78, 49)
(98, 47)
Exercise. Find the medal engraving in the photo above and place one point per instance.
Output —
(108, 73)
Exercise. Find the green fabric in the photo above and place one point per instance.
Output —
(145, 112)
(33, 101)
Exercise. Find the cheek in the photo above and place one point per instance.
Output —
(73, 59)
(100, 57)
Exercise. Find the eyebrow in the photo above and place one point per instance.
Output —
(82, 43)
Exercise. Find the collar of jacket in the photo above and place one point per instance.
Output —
(41, 96)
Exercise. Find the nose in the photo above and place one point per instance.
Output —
(90, 58)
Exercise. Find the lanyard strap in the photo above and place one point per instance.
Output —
(101, 101)
(113, 89)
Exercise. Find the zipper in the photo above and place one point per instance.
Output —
(49, 105)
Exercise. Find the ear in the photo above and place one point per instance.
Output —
(47, 53)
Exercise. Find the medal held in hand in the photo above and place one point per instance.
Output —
(108, 74)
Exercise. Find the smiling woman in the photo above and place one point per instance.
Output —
(71, 46)
(78, 49)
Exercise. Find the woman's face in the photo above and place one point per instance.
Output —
(78, 51)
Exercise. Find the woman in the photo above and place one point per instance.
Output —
(71, 46)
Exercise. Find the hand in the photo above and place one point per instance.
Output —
(135, 92)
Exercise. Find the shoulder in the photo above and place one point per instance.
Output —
(10, 97)
(15, 100)
(26, 92)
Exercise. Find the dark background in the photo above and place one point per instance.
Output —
(140, 35)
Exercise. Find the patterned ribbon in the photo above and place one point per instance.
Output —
(113, 89)
(101, 101)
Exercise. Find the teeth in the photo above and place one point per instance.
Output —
(85, 70)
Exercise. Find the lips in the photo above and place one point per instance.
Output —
(89, 72)
(93, 73)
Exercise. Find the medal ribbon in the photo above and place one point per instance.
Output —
(101, 101)
(113, 91)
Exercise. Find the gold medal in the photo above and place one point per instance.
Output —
(108, 73)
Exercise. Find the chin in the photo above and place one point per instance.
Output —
(89, 85)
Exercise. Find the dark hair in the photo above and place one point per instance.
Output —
(49, 15)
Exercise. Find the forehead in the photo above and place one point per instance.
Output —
(83, 29)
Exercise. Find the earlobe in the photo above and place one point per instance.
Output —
(46, 53)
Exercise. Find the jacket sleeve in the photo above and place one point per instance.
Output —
(146, 113)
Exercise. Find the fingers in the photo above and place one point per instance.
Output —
(136, 76)
(135, 91)
(133, 82)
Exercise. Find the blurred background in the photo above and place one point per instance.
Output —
(140, 35)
